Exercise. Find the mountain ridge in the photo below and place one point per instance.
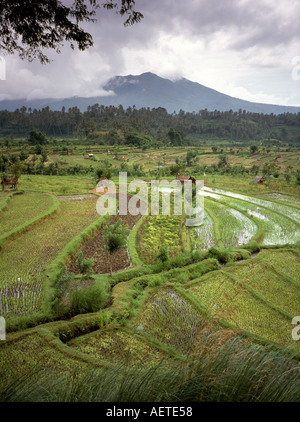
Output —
(149, 90)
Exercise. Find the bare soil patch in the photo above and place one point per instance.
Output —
(93, 248)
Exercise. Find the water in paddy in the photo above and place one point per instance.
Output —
(281, 222)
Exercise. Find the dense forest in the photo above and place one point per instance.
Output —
(179, 128)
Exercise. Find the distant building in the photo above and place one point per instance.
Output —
(259, 179)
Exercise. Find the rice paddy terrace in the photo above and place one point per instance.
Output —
(237, 275)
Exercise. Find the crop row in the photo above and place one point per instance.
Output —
(172, 320)
(156, 231)
(291, 212)
(115, 345)
(264, 280)
(235, 228)
(23, 208)
(28, 255)
(203, 237)
(278, 228)
(230, 301)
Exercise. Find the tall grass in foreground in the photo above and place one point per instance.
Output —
(229, 370)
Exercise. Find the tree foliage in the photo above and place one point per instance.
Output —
(30, 26)
(115, 236)
(37, 138)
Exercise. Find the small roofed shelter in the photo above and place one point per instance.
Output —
(259, 179)
(182, 179)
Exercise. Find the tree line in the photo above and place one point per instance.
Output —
(178, 128)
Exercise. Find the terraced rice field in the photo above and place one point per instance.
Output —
(292, 200)
(23, 208)
(280, 222)
(203, 237)
(159, 230)
(230, 301)
(234, 228)
(156, 313)
(171, 319)
(273, 206)
(264, 280)
(24, 259)
(115, 346)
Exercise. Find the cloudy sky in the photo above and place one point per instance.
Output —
(248, 49)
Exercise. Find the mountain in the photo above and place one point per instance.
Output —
(150, 90)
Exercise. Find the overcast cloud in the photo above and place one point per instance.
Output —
(242, 48)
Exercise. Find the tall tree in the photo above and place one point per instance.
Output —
(29, 26)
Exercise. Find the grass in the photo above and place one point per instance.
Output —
(229, 370)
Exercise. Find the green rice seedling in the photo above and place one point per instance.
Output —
(60, 185)
(118, 345)
(281, 223)
(159, 230)
(171, 319)
(230, 301)
(203, 236)
(293, 213)
(235, 228)
(263, 279)
(23, 208)
(286, 261)
(22, 296)
(31, 252)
